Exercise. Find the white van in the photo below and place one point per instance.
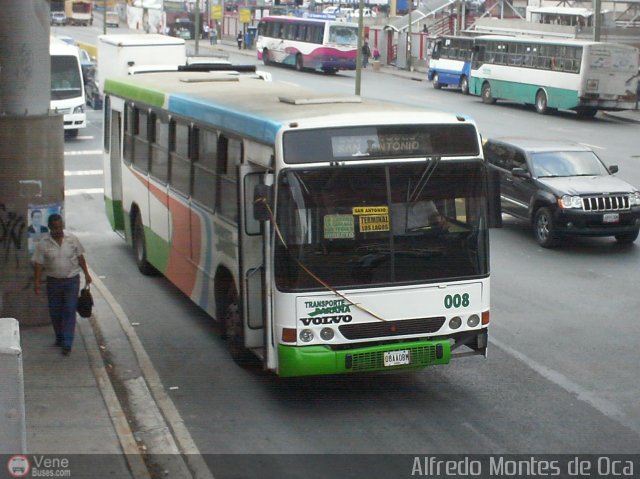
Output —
(67, 87)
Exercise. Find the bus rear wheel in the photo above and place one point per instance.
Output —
(464, 85)
(436, 82)
(487, 96)
(542, 103)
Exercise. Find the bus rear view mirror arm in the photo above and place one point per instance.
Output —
(261, 202)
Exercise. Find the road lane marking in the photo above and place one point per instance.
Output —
(603, 405)
(82, 152)
(594, 146)
(82, 191)
(83, 172)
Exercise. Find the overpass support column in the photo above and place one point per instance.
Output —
(31, 153)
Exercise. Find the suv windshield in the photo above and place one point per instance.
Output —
(567, 163)
(356, 226)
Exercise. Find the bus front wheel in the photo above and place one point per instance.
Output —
(140, 248)
(542, 103)
(436, 82)
(464, 85)
(234, 331)
(265, 56)
(487, 97)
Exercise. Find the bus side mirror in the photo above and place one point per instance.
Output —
(261, 201)
(613, 169)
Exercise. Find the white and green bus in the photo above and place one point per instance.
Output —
(583, 76)
(327, 235)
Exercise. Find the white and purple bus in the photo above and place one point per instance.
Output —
(308, 43)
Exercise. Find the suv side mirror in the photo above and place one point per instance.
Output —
(613, 169)
(520, 173)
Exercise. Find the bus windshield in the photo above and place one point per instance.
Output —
(65, 77)
(380, 225)
(343, 35)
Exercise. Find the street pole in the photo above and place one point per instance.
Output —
(197, 29)
(597, 22)
(104, 17)
(409, 37)
(360, 42)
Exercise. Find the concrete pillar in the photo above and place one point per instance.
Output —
(31, 152)
(25, 76)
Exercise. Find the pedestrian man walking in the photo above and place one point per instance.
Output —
(239, 40)
(366, 53)
(61, 257)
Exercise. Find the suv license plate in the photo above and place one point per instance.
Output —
(610, 218)
(397, 358)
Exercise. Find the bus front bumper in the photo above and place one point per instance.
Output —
(320, 360)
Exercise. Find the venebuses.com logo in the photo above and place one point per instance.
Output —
(18, 466)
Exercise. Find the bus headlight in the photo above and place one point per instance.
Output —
(306, 335)
(79, 109)
(473, 320)
(634, 199)
(568, 201)
(455, 322)
(327, 334)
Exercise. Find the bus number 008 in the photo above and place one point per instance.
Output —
(456, 300)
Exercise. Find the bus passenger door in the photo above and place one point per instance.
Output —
(252, 264)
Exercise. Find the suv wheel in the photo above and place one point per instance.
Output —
(544, 229)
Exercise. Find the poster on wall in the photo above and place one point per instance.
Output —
(37, 222)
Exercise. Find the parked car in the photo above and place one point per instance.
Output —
(58, 18)
(86, 62)
(563, 188)
(92, 90)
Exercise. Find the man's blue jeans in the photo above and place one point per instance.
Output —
(62, 294)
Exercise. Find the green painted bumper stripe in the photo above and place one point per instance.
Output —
(319, 360)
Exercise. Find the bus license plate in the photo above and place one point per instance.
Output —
(397, 358)
(610, 218)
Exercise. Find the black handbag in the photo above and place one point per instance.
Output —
(85, 302)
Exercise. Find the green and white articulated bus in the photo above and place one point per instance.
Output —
(579, 75)
(327, 235)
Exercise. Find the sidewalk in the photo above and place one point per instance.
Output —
(72, 411)
(103, 407)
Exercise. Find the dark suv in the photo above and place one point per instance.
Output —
(563, 188)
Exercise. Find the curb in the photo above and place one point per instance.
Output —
(167, 442)
(128, 443)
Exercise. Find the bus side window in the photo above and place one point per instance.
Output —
(229, 159)
(127, 144)
(180, 163)
(141, 140)
(204, 169)
(159, 167)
